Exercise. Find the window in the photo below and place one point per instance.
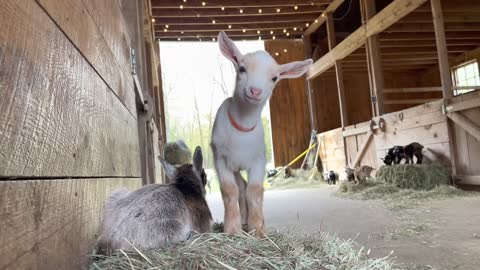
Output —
(466, 75)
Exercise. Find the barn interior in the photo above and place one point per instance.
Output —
(82, 110)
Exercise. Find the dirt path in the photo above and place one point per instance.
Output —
(439, 233)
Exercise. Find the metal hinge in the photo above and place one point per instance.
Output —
(133, 62)
(374, 99)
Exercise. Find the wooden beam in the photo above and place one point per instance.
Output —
(231, 12)
(467, 180)
(362, 149)
(338, 70)
(464, 105)
(322, 18)
(293, 19)
(468, 125)
(373, 47)
(307, 42)
(428, 36)
(413, 89)
(449, 16)
(428, 43)
(384, 19)
(442, 50)
(159, 4)
(409, 101)
(457, 5)
(253, 27)
(428, 27)
(476, 87)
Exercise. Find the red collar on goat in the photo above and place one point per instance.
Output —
(237, 125)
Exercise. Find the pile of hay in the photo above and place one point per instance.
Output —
(299, 179)
(220, 251)
(419, 176)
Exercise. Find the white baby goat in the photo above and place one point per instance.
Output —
(238, 136)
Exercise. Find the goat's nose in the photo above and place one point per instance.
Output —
(255, 91)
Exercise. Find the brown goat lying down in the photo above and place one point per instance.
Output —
(156, 215)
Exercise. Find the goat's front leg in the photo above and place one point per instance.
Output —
(242, 198)
(230, 195)
(255, 191)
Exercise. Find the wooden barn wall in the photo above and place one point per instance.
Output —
(68, 127)
(325, 99)
(424, 124)
(467, 147)
(332, 154)
(410, 79)
(288, 106)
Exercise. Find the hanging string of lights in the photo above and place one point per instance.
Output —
(294, 31)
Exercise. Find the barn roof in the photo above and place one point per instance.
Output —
(194, 20)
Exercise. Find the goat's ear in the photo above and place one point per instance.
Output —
(169, 169)
(294, 69)
(198, 159)
(228, 48)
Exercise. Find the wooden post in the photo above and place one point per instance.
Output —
(307, 43)
(332, 41)
(442, 51)
(374, 60)
(445, 76)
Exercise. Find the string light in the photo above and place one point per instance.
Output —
(244, 30)
(203, 3)
(323, 14)
(284, 30)
(213, 39)
(285, 50)
(258, 32)
(294, 29)
(273, 37)
(278, 10)
(241, 10)
(260, 11)
(166, 26)
(165, 30)
(229, 26)
(271, 32)
(213, 21)
(198, 36)
(179, 39)
(153, 20)
(184, 1)
(307, 24)
(296, 7)
(288, 34)
(276, 54)
(181, 6)
(316, 21)
(182, 32)
(223, 8)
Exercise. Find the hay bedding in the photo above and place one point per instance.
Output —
(243, 251)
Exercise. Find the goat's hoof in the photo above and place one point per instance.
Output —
(232, 229)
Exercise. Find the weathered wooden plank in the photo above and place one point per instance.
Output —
(76, 21)
(409, 101)
(436, 133)
(468, 180)
(58, 117)
(413, 89)
(52, 224)
(385, 18)
(467, 124)
(464, 105)
(361, 150)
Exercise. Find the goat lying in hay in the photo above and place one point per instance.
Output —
(155, 215)
(238, 135)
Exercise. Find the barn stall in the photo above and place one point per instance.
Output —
(82, 103)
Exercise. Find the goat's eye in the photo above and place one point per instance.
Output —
(242, 69)
(274, 79)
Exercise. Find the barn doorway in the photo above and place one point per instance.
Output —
(196, 79)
